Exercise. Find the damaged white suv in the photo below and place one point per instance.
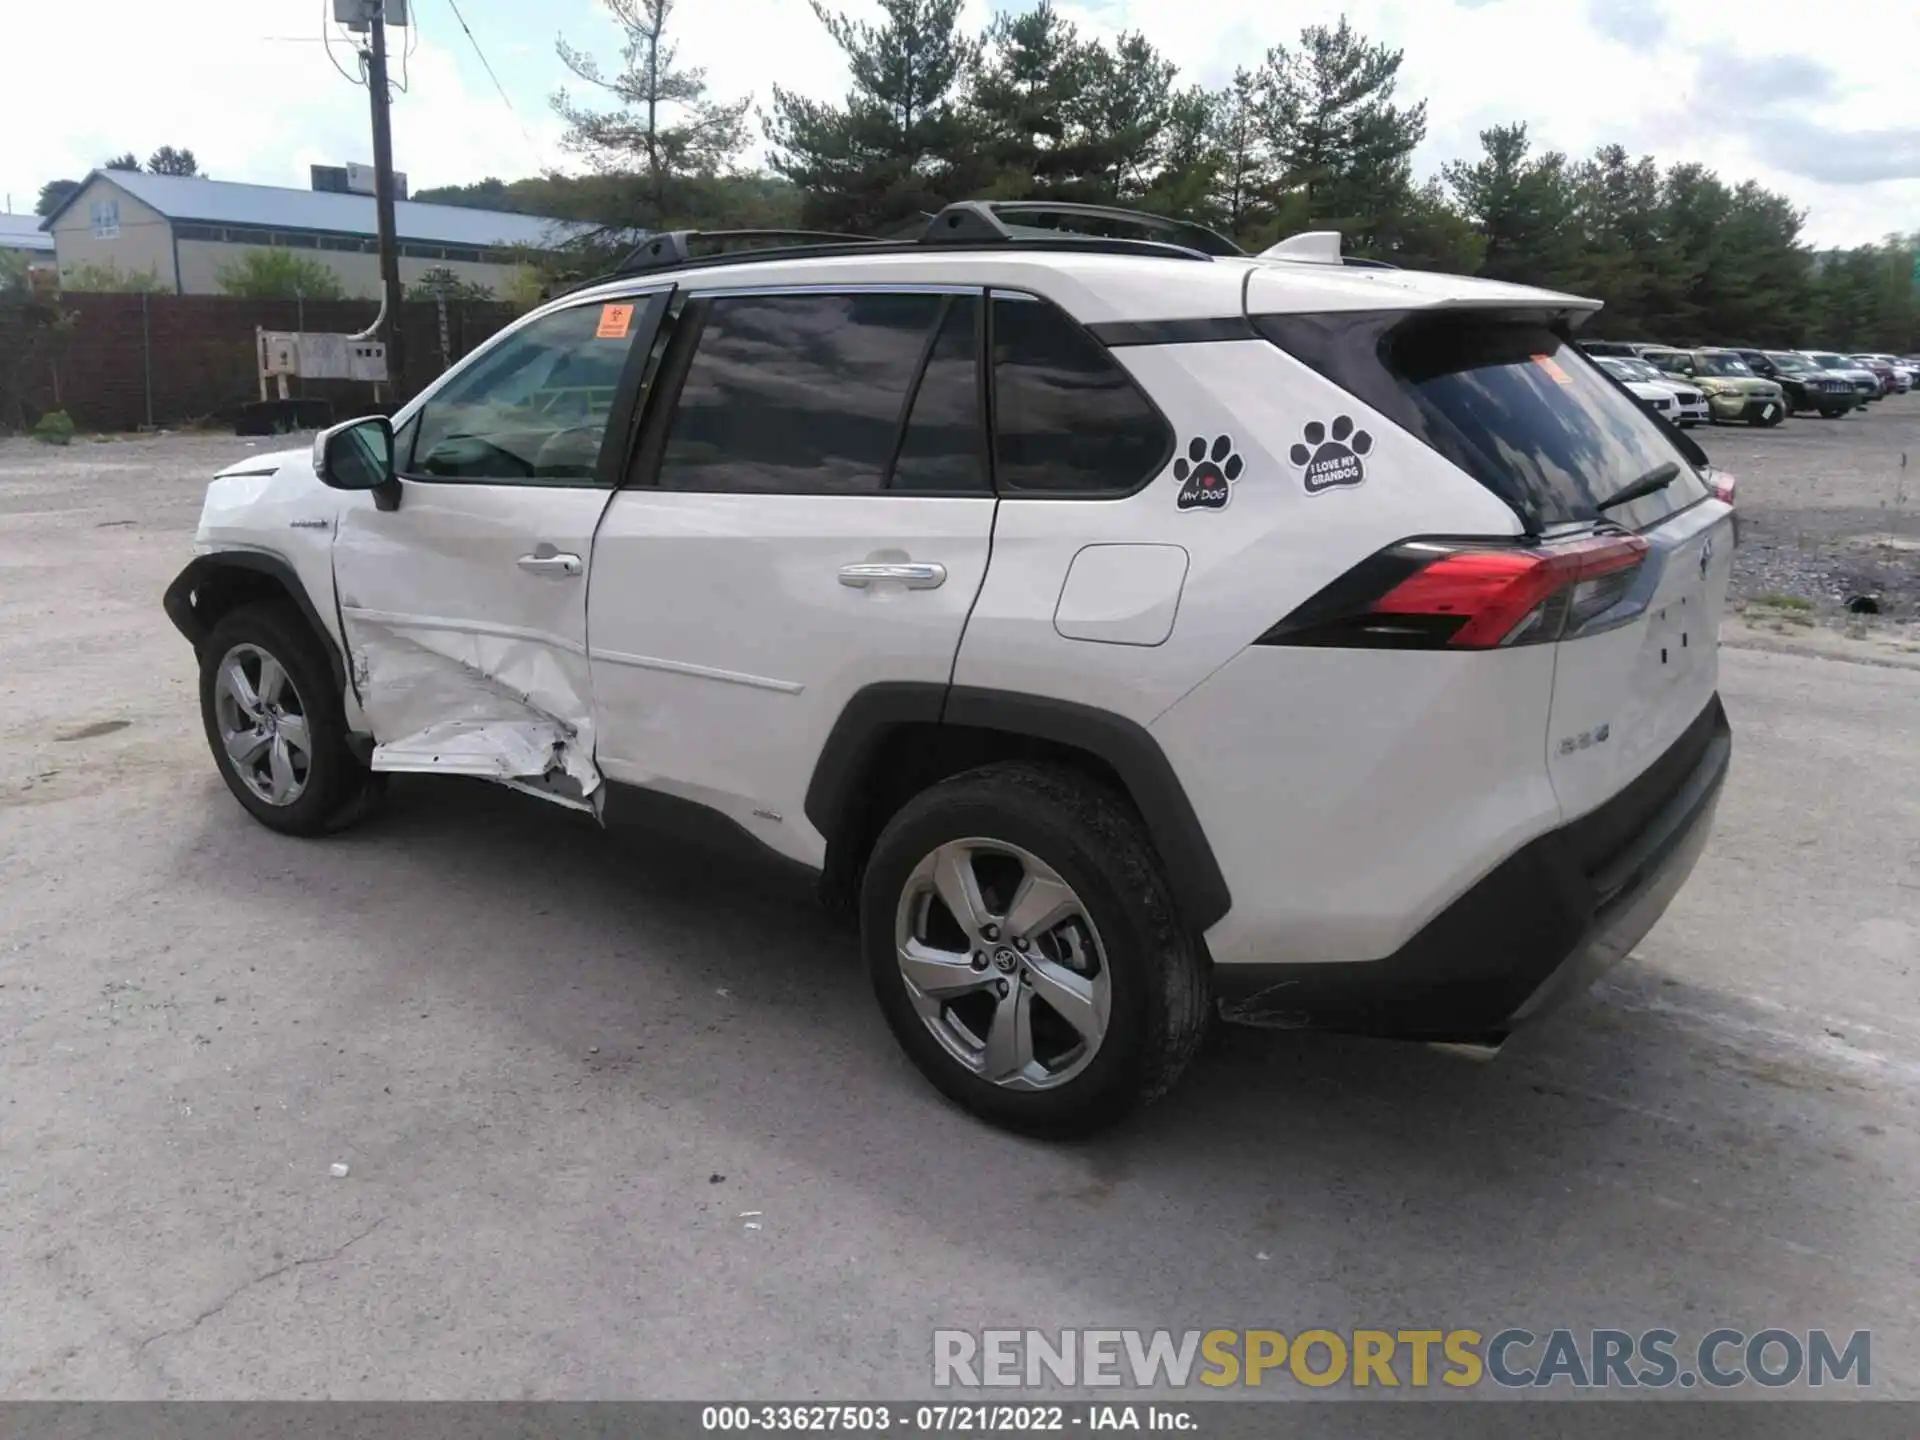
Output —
(1131, 629)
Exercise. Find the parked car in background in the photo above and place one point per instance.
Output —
(1805, 384)
(1689, 401)
(1880, 369)
(1625, 349)
(1866, 384)
(1898, 378)
(1733, 391)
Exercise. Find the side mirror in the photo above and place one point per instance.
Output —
(359, 456)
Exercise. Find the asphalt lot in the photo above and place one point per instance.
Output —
(562, 1070)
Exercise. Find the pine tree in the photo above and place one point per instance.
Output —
(169, 161)
(1120, 117)
(1020, 101)
(1522, 206)
(1244, 177)
(662, 122)
(887, 153)
(1327, 111)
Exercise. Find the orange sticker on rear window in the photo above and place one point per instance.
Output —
(1552, 367)
(615, 320)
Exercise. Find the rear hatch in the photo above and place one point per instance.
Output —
(1543, 427)
(1629, 595)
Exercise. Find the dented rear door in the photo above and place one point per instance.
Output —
(464, 608)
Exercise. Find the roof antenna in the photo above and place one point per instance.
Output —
(1314, 247)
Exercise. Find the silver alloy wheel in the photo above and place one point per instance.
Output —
(1003, 964)
(262, 722)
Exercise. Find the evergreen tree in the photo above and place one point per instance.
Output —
(1626, 264)
(169, 161)
(1190, 160)
(1328, 114)
(1020, 102)
(886, 154)
(1522, 206)
(1120, 117)
(662, 123)
(128, 161)
(1244, 178)
(53, 195)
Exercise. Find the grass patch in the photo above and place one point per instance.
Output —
(1778, 601)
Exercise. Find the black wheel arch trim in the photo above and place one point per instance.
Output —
(1126, 747)
(186, 618)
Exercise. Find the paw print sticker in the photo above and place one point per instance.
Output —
(1331, 460)
(1205, 475)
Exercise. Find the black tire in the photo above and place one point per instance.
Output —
(1160, 992)
(337, 788)
(1832, 412)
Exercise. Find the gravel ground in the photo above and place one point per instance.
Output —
(615, 1124)
(1830, 509)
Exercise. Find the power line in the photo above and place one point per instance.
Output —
(533, 146)
(454, 5)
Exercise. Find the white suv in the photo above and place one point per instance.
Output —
(1131, 629)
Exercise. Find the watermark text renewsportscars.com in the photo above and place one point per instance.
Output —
(1512, 1358)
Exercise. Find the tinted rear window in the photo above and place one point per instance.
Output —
(1067, 419)
(1514, 404)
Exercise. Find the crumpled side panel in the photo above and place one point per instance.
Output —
(449, 701)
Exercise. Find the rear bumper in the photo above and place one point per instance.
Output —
(1532, 934)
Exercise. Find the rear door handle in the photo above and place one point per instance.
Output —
(550, 564)
(915, 575)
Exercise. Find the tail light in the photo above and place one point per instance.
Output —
(1472, 595)
(1722, 485)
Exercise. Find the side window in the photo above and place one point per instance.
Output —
(1067, 419)
(534, 409)
(796, 394)
(944, 448)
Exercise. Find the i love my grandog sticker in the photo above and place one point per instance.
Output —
(1332, 456)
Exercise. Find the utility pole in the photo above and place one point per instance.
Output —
(383, 194)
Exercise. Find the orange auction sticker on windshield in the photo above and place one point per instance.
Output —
(1552, 367)
(615, 321)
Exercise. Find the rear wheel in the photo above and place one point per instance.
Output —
(274, 723)
(1025, 950)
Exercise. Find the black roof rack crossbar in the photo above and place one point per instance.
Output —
(1006, 220)
(677, 247)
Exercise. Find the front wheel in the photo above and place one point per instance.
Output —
(1025, 949)
(273, 719)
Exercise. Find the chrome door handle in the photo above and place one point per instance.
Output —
(913, 575)
(550, 564)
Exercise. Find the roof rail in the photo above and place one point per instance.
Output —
(1004, 220)
(963, 225)
(676, 247)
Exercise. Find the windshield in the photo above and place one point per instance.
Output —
(1792, 364)
(1710, 364)
(1638, 369)
(1832, 362)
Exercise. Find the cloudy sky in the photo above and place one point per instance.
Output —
(1827, 113)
